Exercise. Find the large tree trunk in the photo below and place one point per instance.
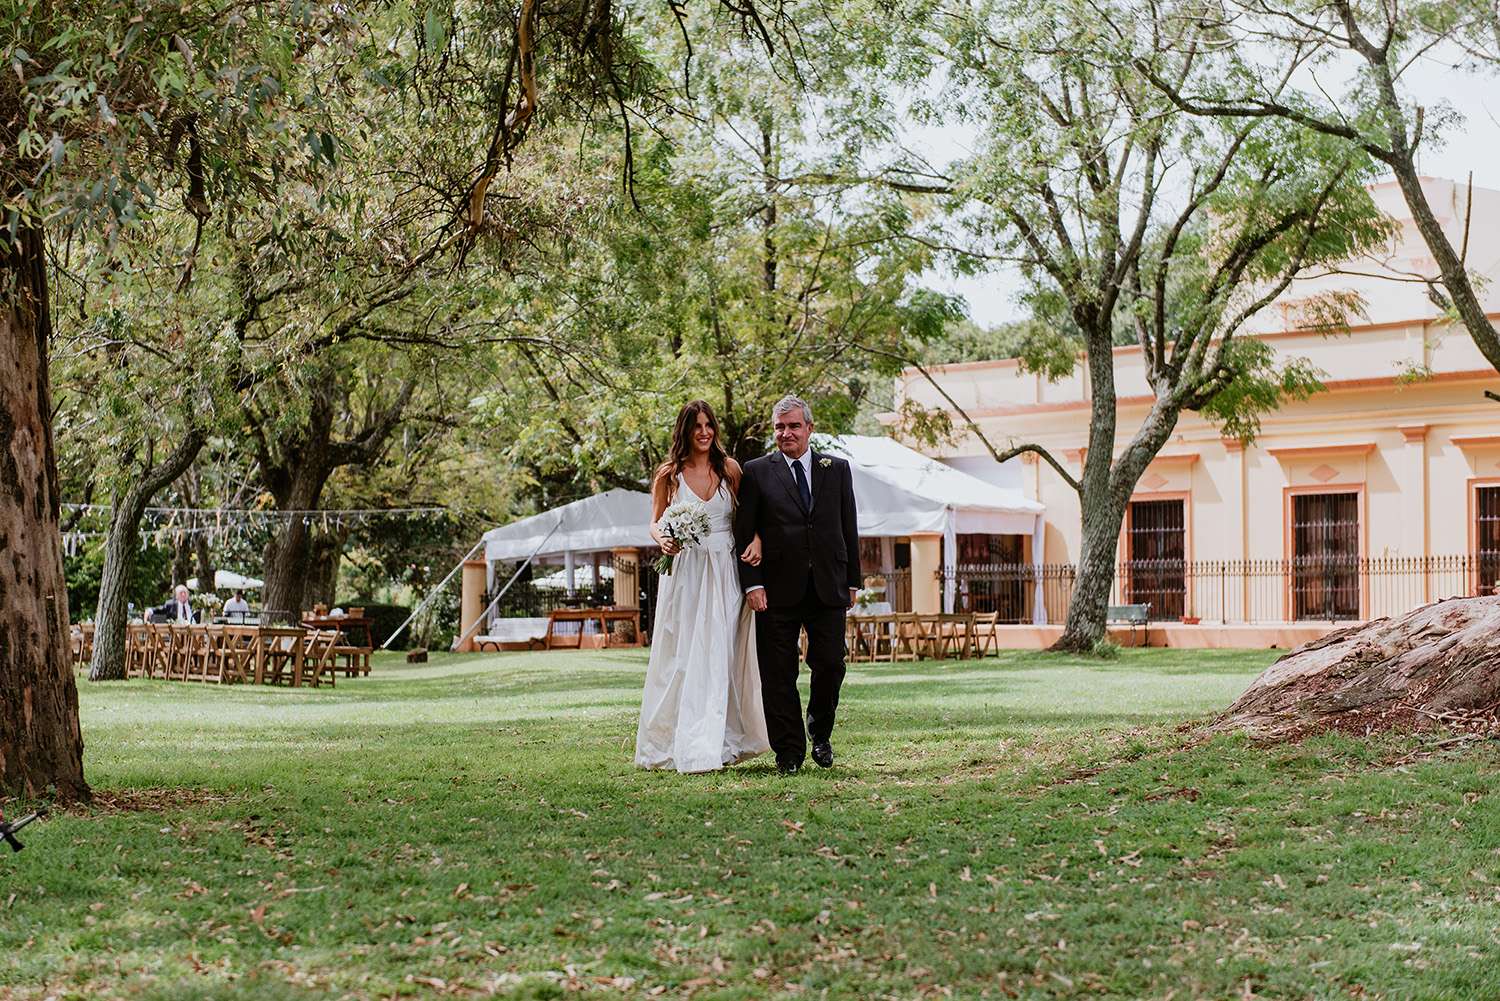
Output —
(1084, 626)
(1438, 664)
(41, 741)
(295, 472)
(288, 553)
(326, 550)
(120, 551)
(182, 557)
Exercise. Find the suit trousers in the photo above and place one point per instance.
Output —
(777, 634)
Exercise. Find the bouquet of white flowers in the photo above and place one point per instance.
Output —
(685, 523)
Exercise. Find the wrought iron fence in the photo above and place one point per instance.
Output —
(1321, 588)
(526, 600)
(1010, 589)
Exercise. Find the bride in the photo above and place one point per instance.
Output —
(701, 709)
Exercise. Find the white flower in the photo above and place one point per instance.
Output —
(685, 523)
(825, 462)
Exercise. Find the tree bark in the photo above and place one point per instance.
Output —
(325, 553)
(120, 550)
(182, 557)
(1437, 664)
(1084, 626)
(287, 553)
(41, 740)
(295, 472)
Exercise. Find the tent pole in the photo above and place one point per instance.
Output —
(950, 560)
(486, 613)
(435, 592)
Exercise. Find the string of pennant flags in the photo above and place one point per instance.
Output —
(160, 524)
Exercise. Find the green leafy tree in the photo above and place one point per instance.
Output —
(1125, 214)
(744, 268)
(1280, 47)
(109, 107)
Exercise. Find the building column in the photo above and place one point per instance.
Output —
(926, 561)
(471, 604)
(1235, 529)
(1414, 497)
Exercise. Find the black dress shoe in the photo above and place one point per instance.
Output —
(822, 753)
(789, 767)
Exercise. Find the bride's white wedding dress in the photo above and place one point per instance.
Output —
(701, 709)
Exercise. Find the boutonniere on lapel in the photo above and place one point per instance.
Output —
(825, 462)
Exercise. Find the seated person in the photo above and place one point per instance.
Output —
(236, 608)
(178, 609)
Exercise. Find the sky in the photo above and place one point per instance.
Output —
(1474, 146)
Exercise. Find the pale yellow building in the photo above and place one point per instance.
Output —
(1377, 495)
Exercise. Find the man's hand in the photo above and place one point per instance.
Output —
(756, 599)
(853, 592)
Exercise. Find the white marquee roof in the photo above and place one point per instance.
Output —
(899, 491)
(594, 524)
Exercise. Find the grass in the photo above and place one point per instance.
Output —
(1034, 826)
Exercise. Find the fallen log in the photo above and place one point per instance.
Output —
(1436, 666)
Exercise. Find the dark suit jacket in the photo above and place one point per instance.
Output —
(170, 610)
(825, 539)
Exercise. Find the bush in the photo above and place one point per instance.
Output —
(386, 619)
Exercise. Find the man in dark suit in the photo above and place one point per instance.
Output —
(179, 609)
(802, 504)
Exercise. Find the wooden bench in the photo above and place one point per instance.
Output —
(1135, 615)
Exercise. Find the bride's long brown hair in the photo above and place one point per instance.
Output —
(682, 448)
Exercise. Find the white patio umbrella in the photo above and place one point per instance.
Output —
(229, 580)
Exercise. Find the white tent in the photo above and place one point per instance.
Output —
(585, 528)
(901, 491)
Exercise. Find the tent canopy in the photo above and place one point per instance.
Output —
(901, 491)
(594, 524)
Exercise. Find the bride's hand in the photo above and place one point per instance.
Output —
(751, 555)
(669, 546)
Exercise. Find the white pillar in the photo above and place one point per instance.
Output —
(568, 567)
(1414, 497)
(926, 596)
(1039, 596)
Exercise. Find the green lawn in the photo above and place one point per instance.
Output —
(1034, 826)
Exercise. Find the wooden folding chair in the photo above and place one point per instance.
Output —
(239, 653)
(281, 655)
(985, 636)
(195, 653)
(908, 636)
(952, 633)
(317, 656)
(137, 650)
(178, 642)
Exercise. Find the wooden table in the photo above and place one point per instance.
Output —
(603, 616)
(343, 623)
(356, 656)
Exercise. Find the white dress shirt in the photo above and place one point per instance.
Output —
(806, 461)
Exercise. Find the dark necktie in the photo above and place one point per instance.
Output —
(802, 485)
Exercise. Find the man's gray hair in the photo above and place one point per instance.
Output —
(787, 404)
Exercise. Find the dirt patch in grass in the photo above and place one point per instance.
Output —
(151, 800)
